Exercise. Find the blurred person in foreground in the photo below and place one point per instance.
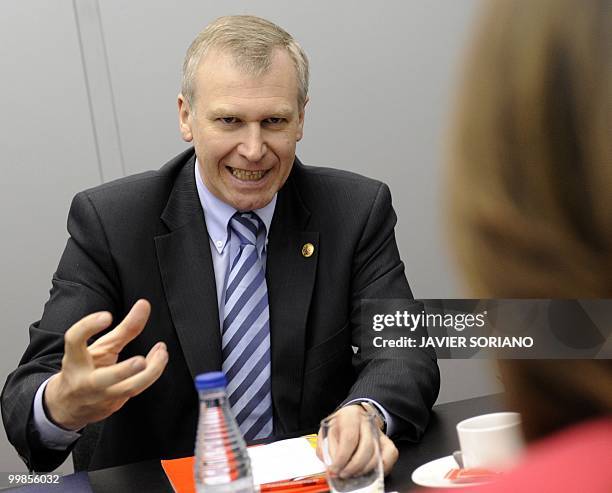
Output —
(234, 256)
(531, 214)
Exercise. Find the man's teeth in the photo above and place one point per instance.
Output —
(242, 174)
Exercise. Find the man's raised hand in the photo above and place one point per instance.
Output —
(91, 384)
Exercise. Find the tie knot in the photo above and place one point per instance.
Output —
(247, 226)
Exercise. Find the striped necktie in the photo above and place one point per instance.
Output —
(246, 331)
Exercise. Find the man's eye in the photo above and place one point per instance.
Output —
(274, 120)
(228, 120)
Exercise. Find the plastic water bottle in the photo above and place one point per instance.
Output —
(222, 464)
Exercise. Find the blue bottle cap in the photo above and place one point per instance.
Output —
(211, 380)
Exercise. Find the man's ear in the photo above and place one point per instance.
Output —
(300, 129)
(184, 118)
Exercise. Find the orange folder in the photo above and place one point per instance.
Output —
(180, 475)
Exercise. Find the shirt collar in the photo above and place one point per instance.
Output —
(218, 214)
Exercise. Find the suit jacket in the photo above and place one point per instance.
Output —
(144, 236)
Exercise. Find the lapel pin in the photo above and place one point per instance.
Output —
(307, 250)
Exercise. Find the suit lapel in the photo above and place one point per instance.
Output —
(290, 276)
(185, 263)
(188, 277)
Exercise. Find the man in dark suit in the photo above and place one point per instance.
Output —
(158, 252)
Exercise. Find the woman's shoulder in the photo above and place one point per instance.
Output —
(578, 458)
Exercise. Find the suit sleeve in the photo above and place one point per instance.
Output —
(85, 282)
(407, 387)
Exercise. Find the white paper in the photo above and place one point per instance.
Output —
(282, 460)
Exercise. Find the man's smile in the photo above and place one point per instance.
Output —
(245, 175)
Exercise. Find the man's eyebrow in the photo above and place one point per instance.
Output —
(282, 111)
(226, 111)
(220, 111)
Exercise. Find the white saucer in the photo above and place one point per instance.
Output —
(432, 474)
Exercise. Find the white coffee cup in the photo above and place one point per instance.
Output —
(493, 441)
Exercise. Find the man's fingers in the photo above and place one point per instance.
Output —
(341, 455)
(351, 442)
(126, 330)
(343, 437)
(75, 338)
(110, 375)
(363, 453)
(155, 363)
(389, 453)
(373, 462)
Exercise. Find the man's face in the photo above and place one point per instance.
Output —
(244, 128)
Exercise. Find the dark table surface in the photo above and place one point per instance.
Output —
(440, 440)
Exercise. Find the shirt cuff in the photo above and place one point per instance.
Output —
(51, 436)
(389, 428)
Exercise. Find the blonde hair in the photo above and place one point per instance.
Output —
(529, 188)
(531, 152)
(553, 394)
(251, 40)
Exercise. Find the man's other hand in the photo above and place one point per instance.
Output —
(351, 444)
(91, 384)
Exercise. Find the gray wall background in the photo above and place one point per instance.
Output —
(88, 94)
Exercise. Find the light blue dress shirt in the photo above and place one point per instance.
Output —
(223, 247)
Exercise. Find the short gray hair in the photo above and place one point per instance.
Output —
(251, 40)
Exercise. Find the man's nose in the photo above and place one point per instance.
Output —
(253, 148)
